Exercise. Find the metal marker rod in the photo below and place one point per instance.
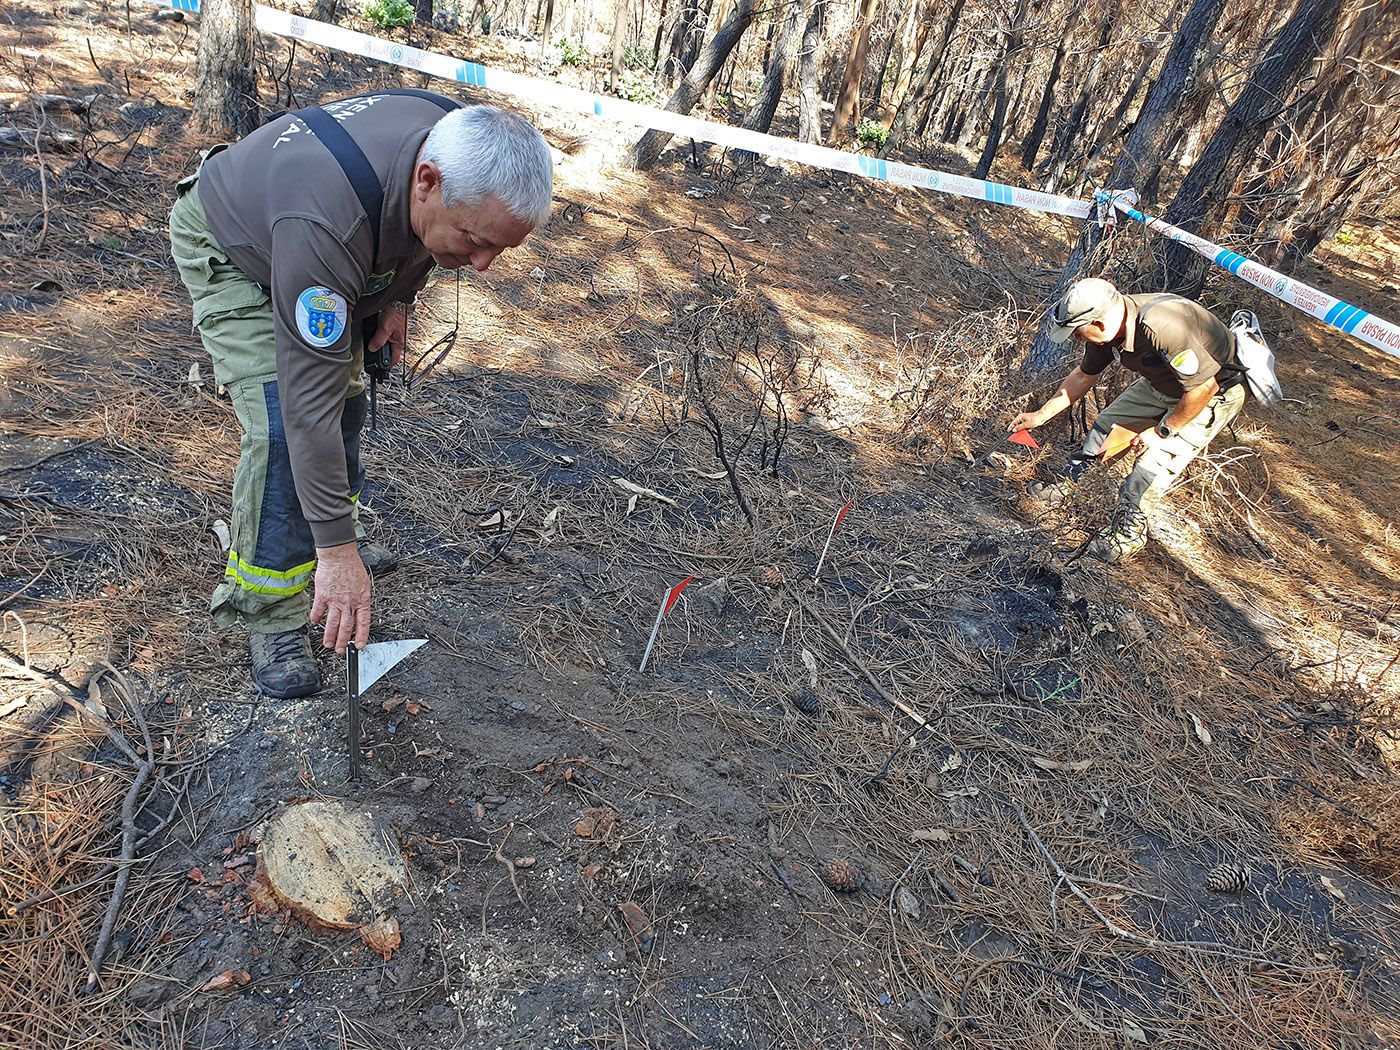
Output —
(352, 694)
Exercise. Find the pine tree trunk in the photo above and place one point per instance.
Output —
(225, 79)
(707, 64)
(548, 30)
(998, 122)
(660, 31)
(1207, 186)
(920, 98)
(911, 42)
(809, 99)
(619, 38)
(1069, 134)
(1144, 142)
(848, 98)
(1031, 146)
(770, 93)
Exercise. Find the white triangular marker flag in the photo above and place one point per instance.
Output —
(376, 659)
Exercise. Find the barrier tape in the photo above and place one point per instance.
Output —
(1340, 314)
(1353, 320)
(557, 96)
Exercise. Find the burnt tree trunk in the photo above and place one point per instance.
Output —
(1207, 185)
(809, 98)
(225, 79)
(1069, 134)
(660, 31)
(770, 93)
(919, 101)
(848, 98)
(548, 29)
(998, 122)
(707, 64)
(1031, 146)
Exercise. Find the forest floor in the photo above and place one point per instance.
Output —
(1089, 742)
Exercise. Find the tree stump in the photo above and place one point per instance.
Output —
(333, 865)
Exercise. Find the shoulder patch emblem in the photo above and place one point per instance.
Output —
(321, 315)
(1186, 362)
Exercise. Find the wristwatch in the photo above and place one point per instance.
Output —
(1164, 431)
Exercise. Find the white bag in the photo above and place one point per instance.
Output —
(1254, 356)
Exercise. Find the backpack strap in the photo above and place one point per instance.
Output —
(352, 160)
(442, 101)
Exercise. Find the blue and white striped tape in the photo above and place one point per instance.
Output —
(1353, 320)
(547, 93)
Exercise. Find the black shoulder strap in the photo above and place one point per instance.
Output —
(442, 101)
(352, 160)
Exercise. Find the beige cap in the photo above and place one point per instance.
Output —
(1087, 300)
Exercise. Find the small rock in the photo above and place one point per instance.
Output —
(418, 785)
(169, 14)
(713, 596)
(517, 705)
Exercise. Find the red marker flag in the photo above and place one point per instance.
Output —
(1023, 437)
(671, 598)
(840, 514)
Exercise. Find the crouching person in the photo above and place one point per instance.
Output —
(1189, 388)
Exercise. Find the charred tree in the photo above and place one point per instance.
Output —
(1207, 186)
(1030, 147)
(919, 101)
(1011, 46)
(809, 99)
(707, 64)
(225, 78)
(848, 98)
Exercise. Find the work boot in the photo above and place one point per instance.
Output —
(283, 665)
(1119, 544)
(379, 561)
(1050, 493)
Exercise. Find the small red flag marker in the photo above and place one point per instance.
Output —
(1118, 439)
(1023, 437)
(827, 546)
(666, 603)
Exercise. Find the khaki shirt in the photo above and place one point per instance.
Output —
(1174, 343)
(281, 207)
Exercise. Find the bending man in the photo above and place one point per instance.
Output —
(298, 244)
(1189, 388)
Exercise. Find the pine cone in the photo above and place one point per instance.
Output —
(1227, 878)
(843, 876)
(769, 576)
(807, 702)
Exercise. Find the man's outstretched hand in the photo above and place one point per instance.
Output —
(1025, 421)
(341, 596)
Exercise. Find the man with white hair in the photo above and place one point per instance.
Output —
(1190, 388)
(299, 245)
